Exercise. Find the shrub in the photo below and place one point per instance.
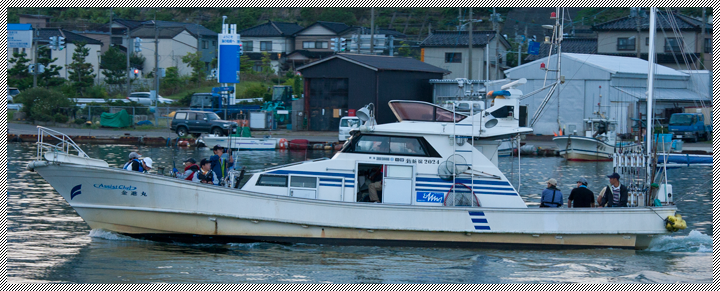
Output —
(60, 118)
(254, 91)
(43, 104)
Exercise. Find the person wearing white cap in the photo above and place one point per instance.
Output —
(147, 163)
(551, 197)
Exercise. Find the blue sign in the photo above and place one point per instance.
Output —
(228, 58)
(533, 48)
(430, 197)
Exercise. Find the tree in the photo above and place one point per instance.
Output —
(43, 104)
(246, 64)
(51, 75)
(114, 66)
(194, 61)
(172, 81)
(266, 67)
(81, 75)
(18, 75)
(137, 61)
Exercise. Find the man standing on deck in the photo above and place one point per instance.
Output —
(551, 197)
(581, 196)
(221, 163)
(616, 194)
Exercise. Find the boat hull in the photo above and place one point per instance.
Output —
(154, 206)
(577, 148)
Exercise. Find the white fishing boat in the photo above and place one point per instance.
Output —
(239, 143)
(437, 189)
(598, 143)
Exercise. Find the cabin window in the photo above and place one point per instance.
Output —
(272, 181)
(390, 145)
(503, 112)
(420, 111)
(453, 57)
(303, 182)
(626, 43)
(181, 115)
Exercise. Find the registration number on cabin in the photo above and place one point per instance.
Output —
(408, 160)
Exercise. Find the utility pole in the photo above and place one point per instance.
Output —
(637, 23)
(157, 78)
(35, 62)
(127, 59)
(496, 28)
(372, 30)
(470, 45)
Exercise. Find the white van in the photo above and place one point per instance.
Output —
(346, 124)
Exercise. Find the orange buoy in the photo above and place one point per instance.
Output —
(282, 144)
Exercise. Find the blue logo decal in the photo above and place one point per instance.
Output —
(75, 191)
(430, 197)
(479, 220)
(115, 187)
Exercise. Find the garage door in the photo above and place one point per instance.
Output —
(327, 98)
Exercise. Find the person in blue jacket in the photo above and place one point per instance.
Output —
(220, 163)
(551, 197)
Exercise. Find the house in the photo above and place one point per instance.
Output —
(64, 57)
(620, 37)
(449, 50)
(617, 84)
(313, 42)
(173, 44)
(205, 40)
(275, 38)
(37, 21)
(336, 84)
(386, 34)
(569, 45)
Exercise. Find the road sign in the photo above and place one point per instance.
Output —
(19, 39)
(229, 57)
(533, 48)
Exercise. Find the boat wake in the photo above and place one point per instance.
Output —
(108, 235)
(695, 242)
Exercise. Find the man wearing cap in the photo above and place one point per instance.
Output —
(191, 168)
(133, 163)
(551, 197)
(581, 196)
(220, 163)
(615, 194)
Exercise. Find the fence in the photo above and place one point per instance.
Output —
(164, 115)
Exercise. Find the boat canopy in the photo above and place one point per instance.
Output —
(422, 111)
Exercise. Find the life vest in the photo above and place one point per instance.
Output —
(129, 165)
(193, 168)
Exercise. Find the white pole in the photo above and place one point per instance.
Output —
(651, 83)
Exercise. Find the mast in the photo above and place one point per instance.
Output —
(651, 82)
(650, 125)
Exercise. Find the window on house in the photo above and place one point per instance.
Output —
(257, 66)
(647, 41)
(708, 45)
(265, 46)
(205, 44)
(673, 45)
(247, 46)
(453, 57)
(321, 44)
(117, 40)
(214, 43)
(16, 50)
(308, 44)
(626, 43)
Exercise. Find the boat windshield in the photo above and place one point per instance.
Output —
(681, 119)
(422, 111)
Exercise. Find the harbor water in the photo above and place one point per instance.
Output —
(47, 242)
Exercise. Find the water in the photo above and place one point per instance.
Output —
(48, 242)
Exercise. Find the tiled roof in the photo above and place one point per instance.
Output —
(386, 63)
(192, 28)
(132, 24)
(665, 22)
(569, 45)
(163, 32)
(457, 38)
(272, 28)
(312, 54)
(70, 37)
(366, 30)
(336, 27)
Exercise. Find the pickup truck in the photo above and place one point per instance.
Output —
(689, 126)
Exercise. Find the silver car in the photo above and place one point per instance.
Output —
(143, 98)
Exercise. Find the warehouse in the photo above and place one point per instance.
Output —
(349, 81)
(614, 86)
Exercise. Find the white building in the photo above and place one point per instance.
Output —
(64, 57)
(173, 44)
(274, 38)
(618, 84)
(449, 50)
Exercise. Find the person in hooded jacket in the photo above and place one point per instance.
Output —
(206, 175)
(135, 163)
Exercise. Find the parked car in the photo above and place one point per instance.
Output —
(197, 122)
(12, 91)
(143, 98)
(11, 105)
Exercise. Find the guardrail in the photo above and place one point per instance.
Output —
(65, 145)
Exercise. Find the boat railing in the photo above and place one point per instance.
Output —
(65, 143)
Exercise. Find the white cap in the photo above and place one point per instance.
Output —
(148, 161)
